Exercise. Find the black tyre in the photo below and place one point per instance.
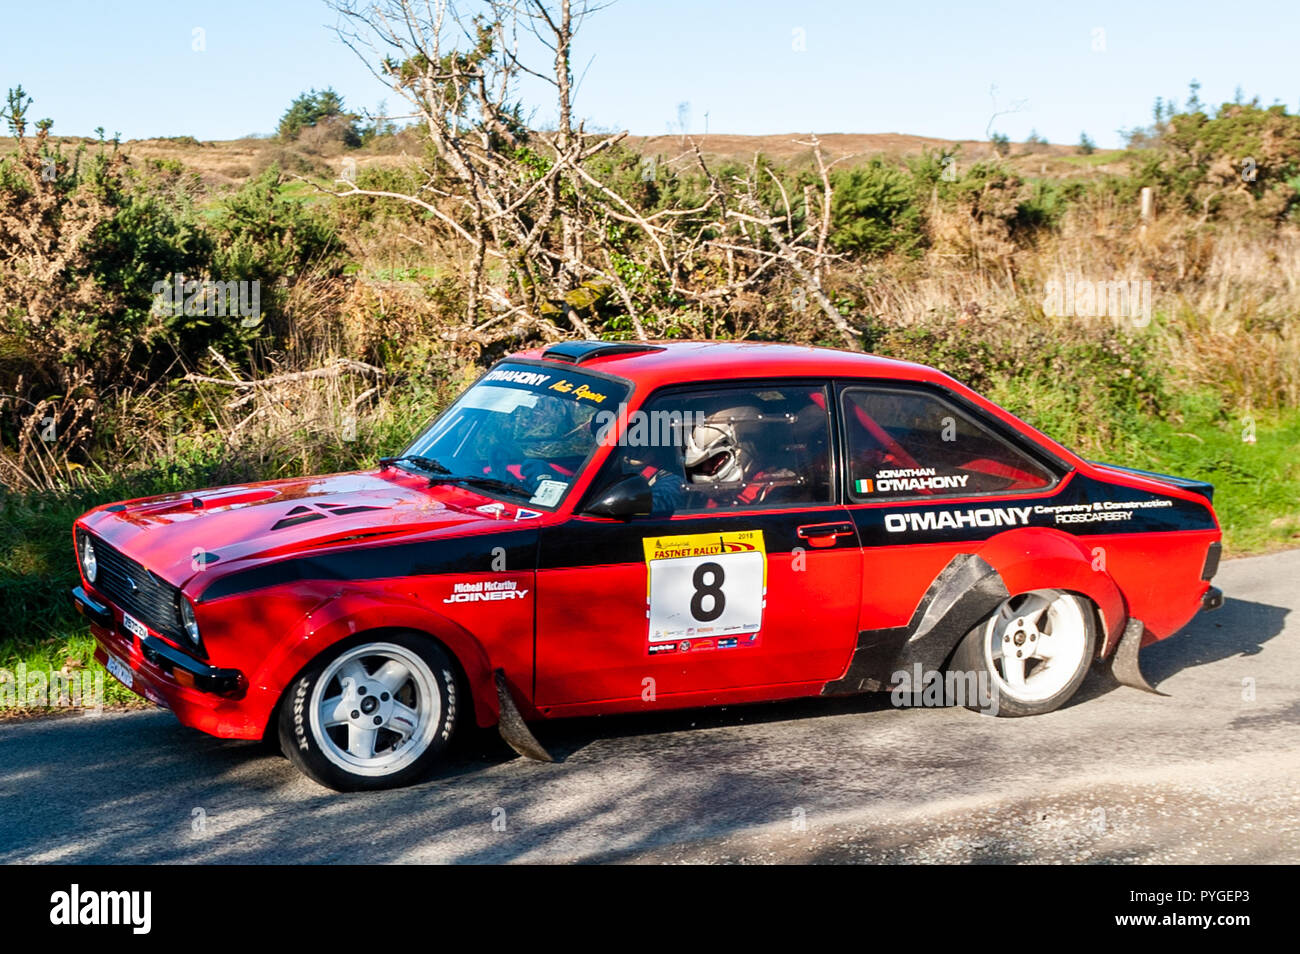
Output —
(375, 712)
(1032, 653)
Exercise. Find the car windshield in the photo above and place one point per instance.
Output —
(521, 431)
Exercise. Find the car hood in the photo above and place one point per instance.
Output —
(176, 535)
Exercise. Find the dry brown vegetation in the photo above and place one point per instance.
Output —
(1227, 296)
(410, 262)
(228, 163)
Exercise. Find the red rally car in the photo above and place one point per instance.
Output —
(604, 527)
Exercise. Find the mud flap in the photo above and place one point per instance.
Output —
(512, 727)
(1124, 665)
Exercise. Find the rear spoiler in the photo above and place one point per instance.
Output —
(1201, 487)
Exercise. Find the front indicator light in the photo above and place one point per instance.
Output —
(89, 565)
(189, 622)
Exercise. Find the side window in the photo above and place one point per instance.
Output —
(728, 448)
(905, 443)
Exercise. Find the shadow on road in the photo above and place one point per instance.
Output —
(1238, 628)
(566, 737)
(141, 788)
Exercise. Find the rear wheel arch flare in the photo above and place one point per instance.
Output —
(961, 595)
(1037, 558)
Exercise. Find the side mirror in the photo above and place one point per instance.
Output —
(626, 498)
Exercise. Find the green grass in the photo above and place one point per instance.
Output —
(1099, 158)
(38, 627)
(1257, 484)
(307, 190)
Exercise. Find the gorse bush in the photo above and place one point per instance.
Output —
(1103, 378)
(87, 237)
(1046, 203)
(262, 235)
(1242, 162)
(876, 210)
(83, 238)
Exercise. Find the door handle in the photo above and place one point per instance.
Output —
(827, 533)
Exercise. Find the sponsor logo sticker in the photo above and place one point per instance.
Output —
(486, 591)
(705, 581)
(918, 522)
(549, 492)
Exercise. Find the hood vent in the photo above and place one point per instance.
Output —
(301, 514)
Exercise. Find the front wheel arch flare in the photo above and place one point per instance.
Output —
(343, 618)
(378, 634)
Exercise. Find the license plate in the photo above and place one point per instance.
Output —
(120, 671)
(133, 625)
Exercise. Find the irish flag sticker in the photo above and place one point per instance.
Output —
(862, 486)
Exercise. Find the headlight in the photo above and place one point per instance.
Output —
(88, 564)
(190, 623)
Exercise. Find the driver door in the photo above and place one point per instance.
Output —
(745, 583)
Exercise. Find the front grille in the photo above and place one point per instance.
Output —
(151, 600)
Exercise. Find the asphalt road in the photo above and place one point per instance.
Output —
(1209, 773)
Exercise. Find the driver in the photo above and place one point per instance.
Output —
(661, 466)
(715, 455)
(713, 452)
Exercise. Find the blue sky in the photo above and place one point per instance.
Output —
(923, 68)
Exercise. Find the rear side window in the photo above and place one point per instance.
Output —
(905, 443)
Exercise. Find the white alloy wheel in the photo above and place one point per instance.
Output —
(1036, 644)
(375, 709)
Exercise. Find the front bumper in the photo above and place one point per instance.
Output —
(202, 696)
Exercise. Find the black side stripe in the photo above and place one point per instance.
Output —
(470, 554)
(1094, 500)
(582, 543)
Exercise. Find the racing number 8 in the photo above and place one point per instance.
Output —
(712, 589)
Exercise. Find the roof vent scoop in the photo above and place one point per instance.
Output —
(576, 352)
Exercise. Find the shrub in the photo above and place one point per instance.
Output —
(1046, 204)
(265, 235)
(1100, 378)
(1243, 161)
(314, 108)
(82, 240)
(875, 210)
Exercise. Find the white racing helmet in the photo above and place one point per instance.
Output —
(713, 454)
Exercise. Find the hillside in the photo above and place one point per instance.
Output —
(231, 162)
